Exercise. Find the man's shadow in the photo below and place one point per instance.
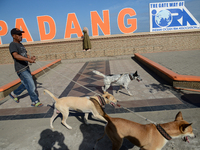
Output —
(52, 140)
(37, 85)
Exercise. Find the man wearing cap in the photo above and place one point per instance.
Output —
(21, 59)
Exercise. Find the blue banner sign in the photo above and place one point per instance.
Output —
(168, 16)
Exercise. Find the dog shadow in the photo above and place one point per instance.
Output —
(92, 132)
(98, 89)
(78, 115)
(52, 140)
(120, 90)
(94, 88)
(157, 87)
(123, 93)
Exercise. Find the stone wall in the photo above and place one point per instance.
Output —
(108, 46)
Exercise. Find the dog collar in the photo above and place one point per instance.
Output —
(130, 77)
(101, 100)
(163, 132)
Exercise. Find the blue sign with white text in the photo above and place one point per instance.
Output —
(167, 16)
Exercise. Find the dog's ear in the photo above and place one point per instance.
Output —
(107, 96)
(135, 73)
(179, 116)
(184, 127)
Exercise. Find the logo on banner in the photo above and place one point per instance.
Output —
(167, 16)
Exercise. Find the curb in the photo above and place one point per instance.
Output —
(6, 89)
(176, 80)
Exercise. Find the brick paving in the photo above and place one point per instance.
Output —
(26, 127)
(148, 95)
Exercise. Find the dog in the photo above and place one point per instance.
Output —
(147, 137)
(120, 79)
(82, 104)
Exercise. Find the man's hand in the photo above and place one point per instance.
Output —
(22, 58)
(33, 58)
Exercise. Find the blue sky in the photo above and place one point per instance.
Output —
(59, 9)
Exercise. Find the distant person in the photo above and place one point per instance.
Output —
(86, 40)
(21, 59)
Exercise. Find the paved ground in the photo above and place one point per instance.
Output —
(24, 127)
(8, 73)
(35, 134)
(181, 62)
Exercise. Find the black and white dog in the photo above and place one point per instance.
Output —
(120, 79)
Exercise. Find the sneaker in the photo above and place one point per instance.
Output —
(38, 104)
(14, 97)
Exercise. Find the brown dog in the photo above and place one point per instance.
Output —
(147, 137)
(82, 104)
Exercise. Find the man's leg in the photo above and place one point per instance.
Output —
(27, 81)
(19, 90)
(14, 94)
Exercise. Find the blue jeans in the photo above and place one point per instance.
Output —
(27, 83)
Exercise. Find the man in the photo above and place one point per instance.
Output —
(21, 59)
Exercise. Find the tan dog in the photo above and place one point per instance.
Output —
(82, 104)
(147, 137)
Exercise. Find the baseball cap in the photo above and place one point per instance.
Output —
(16, 31)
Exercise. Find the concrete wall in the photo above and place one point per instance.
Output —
(113, 45)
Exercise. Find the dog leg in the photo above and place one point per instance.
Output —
(129, 93)
(126, 87)
(120, 88)
(103, 89)
(96, 115)
(53, 117)
(65, 116)
(114, 137)
(100, 117)
(106, 87)
(86, 118)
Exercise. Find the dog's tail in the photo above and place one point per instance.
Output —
(55, 98)
(100, 109)
(98, 73)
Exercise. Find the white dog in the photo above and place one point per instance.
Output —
(120, 79)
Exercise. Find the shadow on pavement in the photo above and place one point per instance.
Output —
(52, 140)
(92, 132)
(192, 98)
(155, 76)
